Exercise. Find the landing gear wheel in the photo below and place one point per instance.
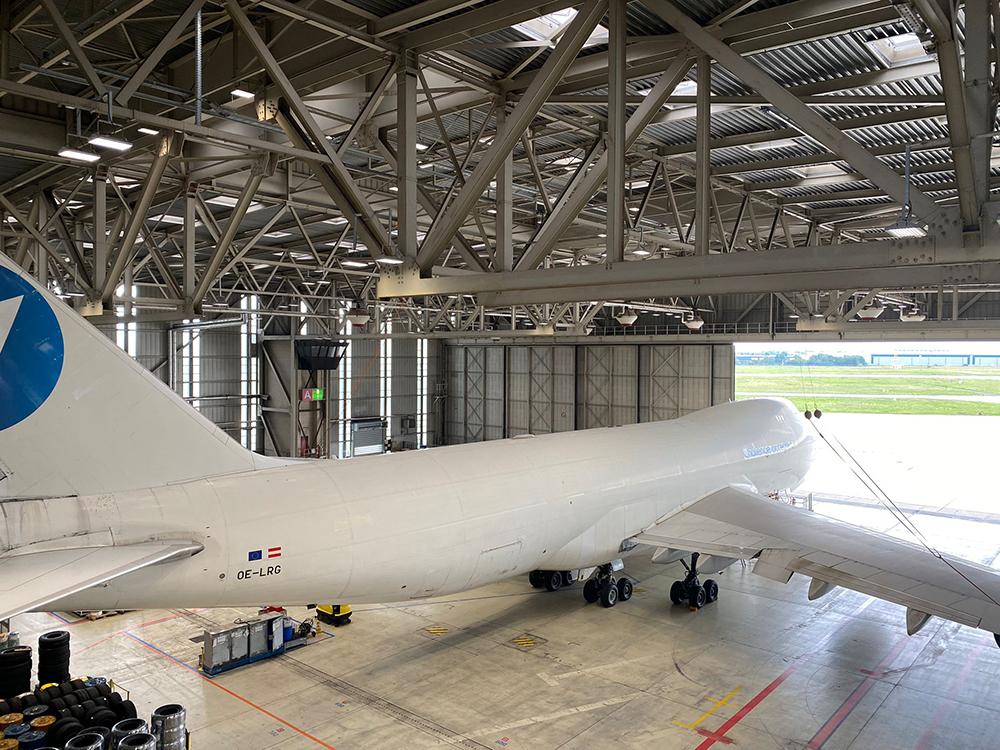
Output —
(696, 597)
(591, 591)
(535, 579)
(624, 589)
(711, 591)
(553, 580)
(677, 593)
(609, 595)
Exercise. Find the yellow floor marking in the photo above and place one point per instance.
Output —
(715, 707)
(523, 641)
(436, 630)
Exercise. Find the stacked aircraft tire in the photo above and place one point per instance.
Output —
(15, 671)
(169, 727)
(55, 716)
(53, 657)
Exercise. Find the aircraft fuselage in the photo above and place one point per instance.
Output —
(422, 523)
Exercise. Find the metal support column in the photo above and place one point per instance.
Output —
(616, 132)
(187, 275)
(505, 204)
(703, 171)
(100, 230)
(979, 37)
(406, 156)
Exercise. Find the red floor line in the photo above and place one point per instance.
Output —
(226, 690)
(750, 705)
(720, 734)
(851, 702)
(927, 738)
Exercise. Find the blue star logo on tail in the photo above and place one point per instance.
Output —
(31, 349)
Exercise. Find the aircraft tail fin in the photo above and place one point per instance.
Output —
(78, 416)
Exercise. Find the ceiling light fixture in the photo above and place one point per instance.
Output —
(106, 141)
(78, 155)
(149, 131)
(694, 323)
(358, 316)
(388, 260)
(905, 226)
(241, 93)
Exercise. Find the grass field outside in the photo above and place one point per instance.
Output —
(877, 390)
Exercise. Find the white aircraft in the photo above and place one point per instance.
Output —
(115, 494)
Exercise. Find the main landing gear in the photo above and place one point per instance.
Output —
(691, 591)
(603, 586)
(550, 580)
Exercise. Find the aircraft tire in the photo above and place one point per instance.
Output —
(711, 591)
(591, 591)
(553, 580)
(609, 595)
(536, 579)
(677, 593)
(624, 589)
(696, 597)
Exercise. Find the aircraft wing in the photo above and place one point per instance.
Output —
(31, 579)
(734, 523)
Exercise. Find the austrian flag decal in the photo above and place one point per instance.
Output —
(258, 554)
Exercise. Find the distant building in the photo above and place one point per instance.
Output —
(936, 360)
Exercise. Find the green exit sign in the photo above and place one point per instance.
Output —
(313, 394)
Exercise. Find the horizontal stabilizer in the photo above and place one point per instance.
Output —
(31, 580)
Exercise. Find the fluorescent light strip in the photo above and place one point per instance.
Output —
(106, 141)
(78, 155)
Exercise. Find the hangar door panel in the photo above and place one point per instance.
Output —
(499, 391)
(475, 393)
(606, 386)
(540, 389)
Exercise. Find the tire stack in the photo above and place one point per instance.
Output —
(169, 727)
(53, 657)
(15, 672)
(54, 716)
(127, 728)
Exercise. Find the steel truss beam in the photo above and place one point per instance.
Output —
(811, 123)
(556, 63)
(347, 195)
(169, 146)
(570, 205)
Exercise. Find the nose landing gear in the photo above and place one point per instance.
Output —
(691, 591)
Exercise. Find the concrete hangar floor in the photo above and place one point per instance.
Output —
(509, 666)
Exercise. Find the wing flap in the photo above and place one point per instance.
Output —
(737, 523)
(30, 580)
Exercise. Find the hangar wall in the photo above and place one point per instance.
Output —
(496, 391)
